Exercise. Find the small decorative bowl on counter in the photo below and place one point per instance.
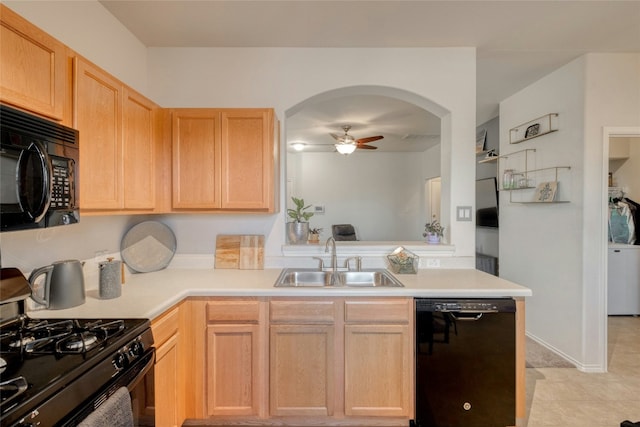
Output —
(402, 261)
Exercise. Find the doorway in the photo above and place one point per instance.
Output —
(611, 135)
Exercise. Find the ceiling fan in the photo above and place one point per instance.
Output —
(347, 144)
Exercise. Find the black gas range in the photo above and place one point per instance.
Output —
(55, 372)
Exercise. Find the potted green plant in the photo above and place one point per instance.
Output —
(314, 235)
(433, 231)
(298, 228)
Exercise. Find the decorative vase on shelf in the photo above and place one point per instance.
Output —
(297, 233)
(433, 238)
(298, 229)
(314, 235)
(433, 231)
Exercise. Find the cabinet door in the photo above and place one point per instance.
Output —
(196, 159)
(98, 117)
(377, 370)
(302, 370)
(233, 369)
(166, 383)
(33, 70)
(139, 152)
(378, 356)
(247, 159)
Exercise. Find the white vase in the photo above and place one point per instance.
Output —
(433, 238)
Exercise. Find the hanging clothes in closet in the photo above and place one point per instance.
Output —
(623, 222)
(635, 210)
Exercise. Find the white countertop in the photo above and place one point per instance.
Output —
(147, 295)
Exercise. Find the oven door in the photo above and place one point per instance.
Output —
(111, 400)
(25, 183)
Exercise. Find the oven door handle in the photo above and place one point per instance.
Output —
(18, 385)
(145, 369)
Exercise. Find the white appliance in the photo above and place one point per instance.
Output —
(623, 279)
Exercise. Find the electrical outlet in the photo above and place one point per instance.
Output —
(433, 263)
(100, 255)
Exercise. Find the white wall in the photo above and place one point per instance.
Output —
(612, 100)
(380, 193)
(558, 250)
(278, 78)
(285, 77)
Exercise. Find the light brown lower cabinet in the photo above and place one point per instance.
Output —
(164, 393)
(341, 357)
(377, 371)
(166, 383)
(236, 357)
(304, 354)
(378, 361)
(323, 358)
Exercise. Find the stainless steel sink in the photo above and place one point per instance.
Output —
(302, 278)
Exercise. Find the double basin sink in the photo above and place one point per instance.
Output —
(314, 278)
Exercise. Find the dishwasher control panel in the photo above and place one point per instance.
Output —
(466, 305)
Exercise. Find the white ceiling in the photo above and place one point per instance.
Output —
(517, 42)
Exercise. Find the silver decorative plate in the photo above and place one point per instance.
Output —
(148, 246)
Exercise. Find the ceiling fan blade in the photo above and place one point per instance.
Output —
(369, 139)
(366, 147)
(337, 137)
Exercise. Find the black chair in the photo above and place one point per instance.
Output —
(343, 232)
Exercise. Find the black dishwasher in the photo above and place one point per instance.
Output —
(465, 362)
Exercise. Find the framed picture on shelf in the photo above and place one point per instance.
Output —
(532, 130)
(481, 139)
(546, 192)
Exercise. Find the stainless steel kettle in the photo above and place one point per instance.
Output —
(63, 285)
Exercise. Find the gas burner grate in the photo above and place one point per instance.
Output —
(59, 337)
(79, 342)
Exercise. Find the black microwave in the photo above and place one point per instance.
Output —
(38, 172)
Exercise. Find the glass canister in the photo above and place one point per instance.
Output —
(518, 181)
(507, 179)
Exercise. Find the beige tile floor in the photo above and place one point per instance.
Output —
(570, 398)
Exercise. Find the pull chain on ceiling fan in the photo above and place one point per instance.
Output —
(347, 144)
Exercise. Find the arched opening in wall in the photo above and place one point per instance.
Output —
(378, 188)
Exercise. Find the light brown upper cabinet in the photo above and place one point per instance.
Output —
(139, 151)
(225, 159)
(34, 72)
(117, 143)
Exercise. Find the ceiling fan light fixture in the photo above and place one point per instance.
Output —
(345, 148)
(298, 146)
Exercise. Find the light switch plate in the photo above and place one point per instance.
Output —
(463, 213)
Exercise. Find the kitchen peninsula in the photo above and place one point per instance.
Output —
(211, 322)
